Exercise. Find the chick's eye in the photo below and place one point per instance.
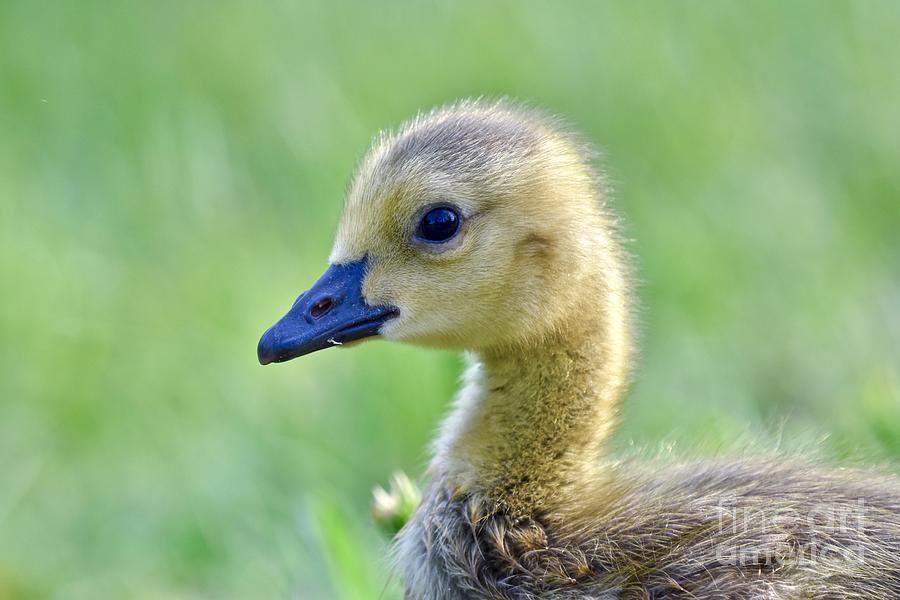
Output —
(439, 225)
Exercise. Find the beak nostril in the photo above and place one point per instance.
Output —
(321, 307)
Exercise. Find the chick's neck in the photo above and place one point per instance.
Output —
(531, 420)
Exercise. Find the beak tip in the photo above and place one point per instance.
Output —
(266, 350)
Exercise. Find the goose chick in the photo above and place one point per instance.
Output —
(484, 227)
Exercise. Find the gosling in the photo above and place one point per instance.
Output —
(484, 226)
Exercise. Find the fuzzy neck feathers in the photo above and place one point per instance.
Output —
(530, 421)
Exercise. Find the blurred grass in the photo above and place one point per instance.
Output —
(170, 177)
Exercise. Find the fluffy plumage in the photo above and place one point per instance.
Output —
(521, 503)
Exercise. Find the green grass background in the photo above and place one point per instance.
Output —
(170, 177)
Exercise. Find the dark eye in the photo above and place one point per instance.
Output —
(439, 224)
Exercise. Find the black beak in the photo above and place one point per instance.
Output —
(332, 312)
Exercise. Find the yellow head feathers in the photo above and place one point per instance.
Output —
(530, 210)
